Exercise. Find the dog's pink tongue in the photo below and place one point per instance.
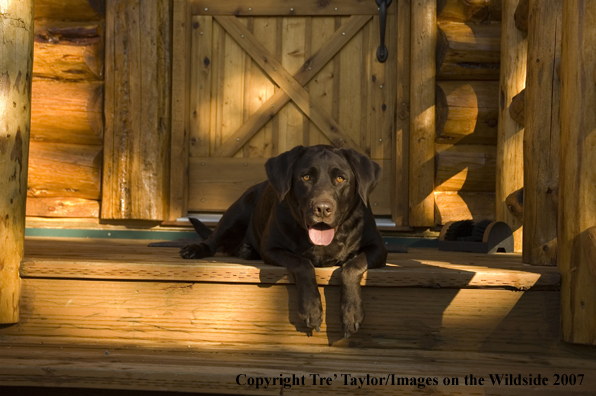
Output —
(321, 237)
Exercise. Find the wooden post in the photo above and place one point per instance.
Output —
(422, 109)
(180, 109)
(510, 135)
(16, 65)
(137, 110)
(402, 135)
(542, 132)
(577, 182)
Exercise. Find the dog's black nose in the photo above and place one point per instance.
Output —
(323, 208)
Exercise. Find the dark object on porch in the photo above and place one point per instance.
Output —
(482, 237)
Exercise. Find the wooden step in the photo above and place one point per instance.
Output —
(82, 297)
(123, 292)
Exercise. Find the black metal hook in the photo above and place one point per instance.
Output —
(382, 52)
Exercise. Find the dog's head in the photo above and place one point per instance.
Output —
(322, 184)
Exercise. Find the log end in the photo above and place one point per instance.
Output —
(515, 203)
(521, 15)
(442, 110)
(517, 108)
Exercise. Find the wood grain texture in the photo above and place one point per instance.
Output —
(469, 11)
(510, 136)
(422, 112)
(67, 112)
(293, 56)
(186, 313)
(517, 109)
(401, 142)
(307, 71)
(138, 118)
(320, 87)
(62, 207)
(465, 168)
(73, 10)
(542, 133)
(121, 291)
(68, 50)
(577, 182)
(382, 125)
(179, 144)
(16, 63)
(64, 170)
(286, 8)
(198, 368)
(468, 51)
(286, 81)
(260, 89)
(200, 85)
(463, 205)
(467, 112)
(134, 260)
(217, 182)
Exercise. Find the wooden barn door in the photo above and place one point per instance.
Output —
(272, 75)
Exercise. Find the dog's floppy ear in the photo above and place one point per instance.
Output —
(367, 172)
(280, 169)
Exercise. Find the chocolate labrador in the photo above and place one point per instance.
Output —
(312, 212)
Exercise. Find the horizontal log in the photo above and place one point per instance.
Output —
(478, 11)
(62, 207)
(467, 112)
(456, 206)
(68, 50)
(465, 168)
(517, 108)
(73, 10)
(64, 170)
(67, 112)
(468, 52)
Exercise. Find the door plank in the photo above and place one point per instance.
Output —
(291, 120)
(215, 183)
(217, 77)
(261, 89)
(349, 96)
(308, 70)
(233, 88)
(289, 8)
(321, 85)
(200, 85)
(180, 97)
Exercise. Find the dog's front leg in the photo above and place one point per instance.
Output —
(351, 306)
(310, 309)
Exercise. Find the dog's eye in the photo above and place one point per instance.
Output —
(306, 177)
(340, 179)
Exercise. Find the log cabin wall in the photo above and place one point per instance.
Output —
(67, 109)
(468, 58)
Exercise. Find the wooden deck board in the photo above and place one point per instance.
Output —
(133, 260)
(215, 370)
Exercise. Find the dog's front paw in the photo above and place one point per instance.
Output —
(310, 310)
(351, 312)
(194, 252)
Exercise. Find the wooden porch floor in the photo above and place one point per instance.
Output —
(116, 314)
